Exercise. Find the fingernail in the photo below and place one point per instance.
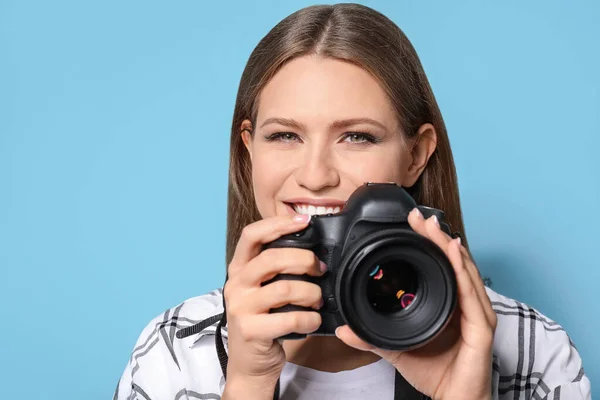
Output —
(458, 241)
(302, 218)
(418, 213)
(322, 266)
(435, 220)
(337, 330)
(322, 303)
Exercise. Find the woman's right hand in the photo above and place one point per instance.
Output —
(256, 357)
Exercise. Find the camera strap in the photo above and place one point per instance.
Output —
(402, 389)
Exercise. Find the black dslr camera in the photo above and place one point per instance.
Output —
(395, 288)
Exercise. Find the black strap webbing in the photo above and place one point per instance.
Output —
(404, 390)
(199, 327)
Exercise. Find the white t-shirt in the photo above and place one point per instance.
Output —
(534, 358)
(373, 381)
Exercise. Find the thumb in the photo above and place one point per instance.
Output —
(345, 334)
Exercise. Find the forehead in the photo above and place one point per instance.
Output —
(313, 88)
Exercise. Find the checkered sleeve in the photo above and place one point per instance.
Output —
(162, 366)
(153, 370)
(534, 356)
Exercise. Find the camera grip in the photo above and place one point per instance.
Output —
(291, 307)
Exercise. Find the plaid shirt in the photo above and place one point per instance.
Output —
(534, 358)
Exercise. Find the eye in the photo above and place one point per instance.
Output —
(285, 137)
(360, 138)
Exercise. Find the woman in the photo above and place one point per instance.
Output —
(332, 97)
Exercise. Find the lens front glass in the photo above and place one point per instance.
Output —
(392, 286)
(396, 290)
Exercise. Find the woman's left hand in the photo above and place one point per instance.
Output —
(458, 363)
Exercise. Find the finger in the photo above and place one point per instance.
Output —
(435, 233)
(281, 293)
(470, 304)
(417, 222)
(430, 228)
(479, 287)
(268, 327)
(346, 335)
(475, 274)
(439, 237)
(272, 262)
(255, 235)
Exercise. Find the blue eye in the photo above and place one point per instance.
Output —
(282, 137)
(360, 138)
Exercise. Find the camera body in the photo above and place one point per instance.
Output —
(395, 288)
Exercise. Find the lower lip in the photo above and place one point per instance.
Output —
(290, 209)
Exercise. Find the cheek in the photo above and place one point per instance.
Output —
(388, 165)
(268, 177)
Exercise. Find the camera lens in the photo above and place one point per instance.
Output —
(396, 289)
(392, 286)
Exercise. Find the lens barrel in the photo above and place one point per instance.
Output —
(396, 289)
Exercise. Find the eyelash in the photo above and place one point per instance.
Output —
(367, 137)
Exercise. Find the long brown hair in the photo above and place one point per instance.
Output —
(365, 37)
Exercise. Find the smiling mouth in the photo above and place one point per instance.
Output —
(310, 209)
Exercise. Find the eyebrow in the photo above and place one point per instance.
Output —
(338, 124)
(287, 122)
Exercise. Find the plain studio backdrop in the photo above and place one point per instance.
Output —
(114, 129)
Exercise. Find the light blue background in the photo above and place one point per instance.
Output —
(114, 125)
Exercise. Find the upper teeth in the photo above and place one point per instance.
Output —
(312, 210)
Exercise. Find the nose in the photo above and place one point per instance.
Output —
(317, 171)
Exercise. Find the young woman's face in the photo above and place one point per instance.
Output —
(325, 127)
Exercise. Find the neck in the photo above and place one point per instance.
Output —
(326, 353)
